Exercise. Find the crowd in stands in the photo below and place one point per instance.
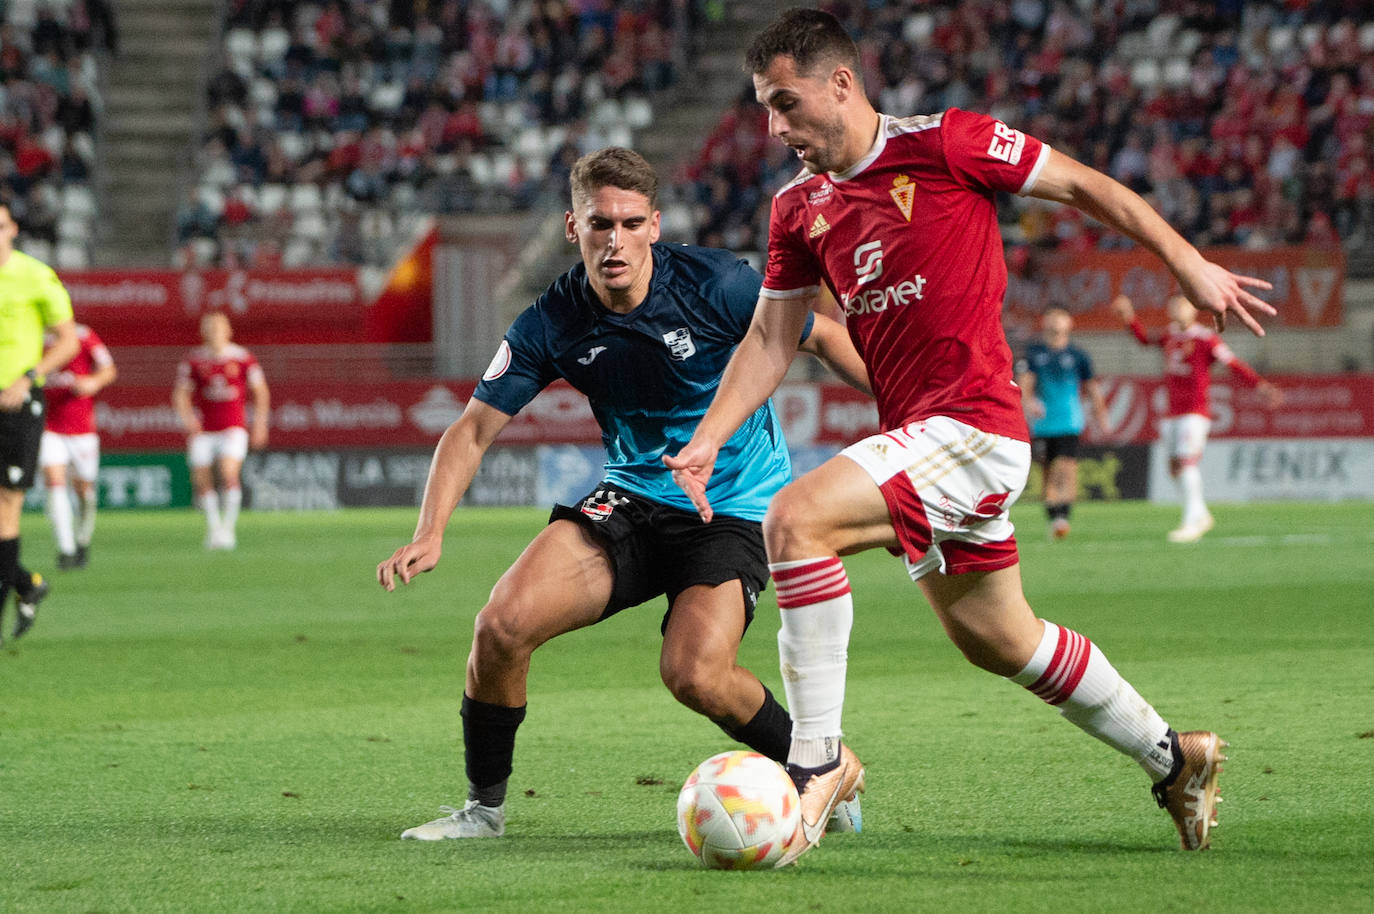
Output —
(1245, 123)
(330, 122)
(49, 113)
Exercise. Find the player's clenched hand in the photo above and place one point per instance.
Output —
(1216, 289)
(408, 561)
(692, 468)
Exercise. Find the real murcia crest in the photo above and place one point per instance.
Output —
(903, 194)
(819, 227)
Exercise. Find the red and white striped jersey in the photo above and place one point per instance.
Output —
(907, 241)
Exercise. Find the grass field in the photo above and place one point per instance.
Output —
(251, 731)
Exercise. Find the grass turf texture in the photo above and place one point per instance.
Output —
(250, 731)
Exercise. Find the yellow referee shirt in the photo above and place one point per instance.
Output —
(31, 300)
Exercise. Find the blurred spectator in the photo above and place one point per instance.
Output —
(383, 109)
(1243, 123)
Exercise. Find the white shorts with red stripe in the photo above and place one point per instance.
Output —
(949, 489)
(1184, 437)
(80, 452)
(207, 447)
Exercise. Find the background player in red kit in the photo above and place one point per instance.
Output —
(1190, 349)
(897, 218)
(70, 440)
(215, 380)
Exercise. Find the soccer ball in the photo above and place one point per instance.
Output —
(738, 811)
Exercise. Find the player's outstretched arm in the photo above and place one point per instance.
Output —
(456, 459)
(1208, 285)
(753, 373)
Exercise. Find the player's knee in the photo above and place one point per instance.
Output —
(497, 638)
(695, 684)
(789, 526)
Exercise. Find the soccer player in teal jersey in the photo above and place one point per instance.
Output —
(1054, 375)
(644, 330)
(32, 301)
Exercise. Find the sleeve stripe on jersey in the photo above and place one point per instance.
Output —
(766, 292)
(1035, 172)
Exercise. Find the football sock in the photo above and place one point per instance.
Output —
(59, 510)
(233, 500)
(817, 612)
(1069, 672)
(489, 748)
(10, 571)
(209, 503)
(768, 733)
(85, 524)
(1190, 486)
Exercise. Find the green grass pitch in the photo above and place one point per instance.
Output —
(251, 731)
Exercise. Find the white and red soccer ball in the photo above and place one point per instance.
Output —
(738, 811)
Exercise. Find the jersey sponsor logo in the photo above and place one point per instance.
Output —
(591, 355)
(903, 194)
(1006, 144)
(875, 301)
(819, 227)
(499, 362)
(868, 262)
(821, 194)
(680, 345)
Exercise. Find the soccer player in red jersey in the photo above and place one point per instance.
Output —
(70, 440)
(1190, 349)
(897, 218)
(210, 396)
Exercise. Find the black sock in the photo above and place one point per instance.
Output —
(770, 731)
(489, 748)
(11, 572)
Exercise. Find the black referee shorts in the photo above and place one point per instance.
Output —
(657, 549)
(21, 433)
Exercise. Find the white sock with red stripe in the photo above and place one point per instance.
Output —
(813, 647)
(1069, 672)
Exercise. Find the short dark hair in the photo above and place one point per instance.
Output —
(810, 37)
(614, 166)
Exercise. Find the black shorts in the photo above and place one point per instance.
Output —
(1046, 450)
(21, 433)
(657, 549)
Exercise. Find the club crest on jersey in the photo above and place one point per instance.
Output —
(819, 227)
(601, 504)
(680, 345)
(903, 194)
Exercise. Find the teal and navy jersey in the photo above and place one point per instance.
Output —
(1058, 376)
(651, 374)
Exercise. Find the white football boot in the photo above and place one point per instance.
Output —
(472, 821)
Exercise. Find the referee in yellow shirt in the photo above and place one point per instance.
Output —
(32, 300)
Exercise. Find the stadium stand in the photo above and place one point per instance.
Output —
(50, 110)
(1243, 123)
(332, 125)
